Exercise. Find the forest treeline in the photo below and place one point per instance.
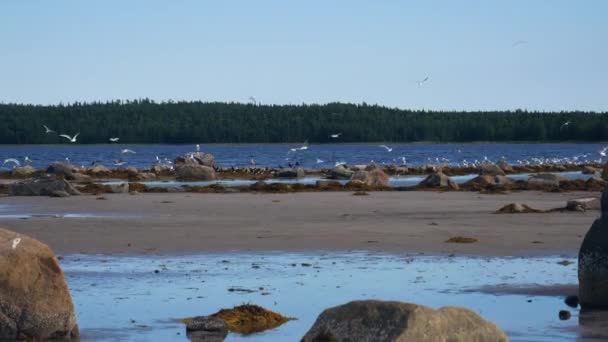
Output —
(145, 121)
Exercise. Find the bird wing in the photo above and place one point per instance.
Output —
(12, 160)
(65, 136)
(384, 146)
(77, 134)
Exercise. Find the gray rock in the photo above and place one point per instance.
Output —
(503, 165)
(584, 204)
(375, 178)
(99, 171)
(491, 170)
(438, 180)
(207, 329)
(341, 172)
(297, 172)
(593, 262)
(120, 188)
(196, 158)
(61, 169)
(145, 176)
(131, 171)
(195, 172)
(379, 321)
(59, 193)
(41, 187)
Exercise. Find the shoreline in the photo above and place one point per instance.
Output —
(407, 222)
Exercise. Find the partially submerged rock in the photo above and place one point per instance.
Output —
(35, 303)
(248, 319)
(381, 321)
(589, 170)
(99, 171)
(517, 208)
(438, 180)
(206, 328)
(42, 187)
(593, 262)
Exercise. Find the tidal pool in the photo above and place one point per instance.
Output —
(140, 298)
(394, 181)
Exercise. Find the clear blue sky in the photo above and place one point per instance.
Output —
(312, 51)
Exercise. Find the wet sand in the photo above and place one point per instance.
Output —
(395, 222)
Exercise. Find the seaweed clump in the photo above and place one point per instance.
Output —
(461, 239)
(248, 319)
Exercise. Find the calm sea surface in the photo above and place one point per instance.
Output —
(315, 156)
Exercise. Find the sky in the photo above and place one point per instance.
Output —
(478, 55)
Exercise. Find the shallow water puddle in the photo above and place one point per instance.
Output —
(140, 298)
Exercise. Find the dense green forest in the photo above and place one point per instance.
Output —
(144, 121)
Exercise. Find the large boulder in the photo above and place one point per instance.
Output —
(64, 170)
(195, 172)
(375, 178)
(35, 303)
(491, 170)
(593, 262)
(196, 158)
(438, 180)
(42, 187)
(23, 171)
(145, 176)
(380, 321)
(340, 172)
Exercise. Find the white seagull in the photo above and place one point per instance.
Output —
(11, 160)
(48, 130)
(423, 81)
(126, 150)
(336, 135)
(71, 139)
(319, 161)
(603, 151)
(198, 148)
(564, 124)
(388, 149)
(119, 162)
(114, 139)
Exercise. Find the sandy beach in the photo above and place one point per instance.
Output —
(395, 222)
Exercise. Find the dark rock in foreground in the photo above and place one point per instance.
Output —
(381, 321)
(43, 187)
(593, 262)
(35, 303)
(206, 328)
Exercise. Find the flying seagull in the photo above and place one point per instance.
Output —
(119, 162)
(11, 160)
(603, 151)
(48, 130)
(564, 124)
(71, 139)
(423, 81)
(114, 139)
(388, 149)
(319, 161)
(126, 150)
(336, 135)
